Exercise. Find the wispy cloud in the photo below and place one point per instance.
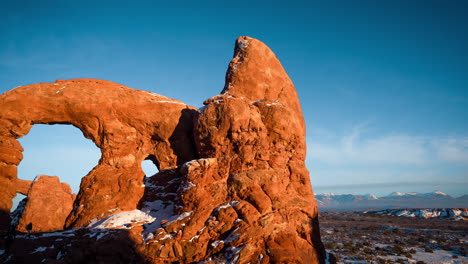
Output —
(357, 148)
(452, 149)
(360, 159)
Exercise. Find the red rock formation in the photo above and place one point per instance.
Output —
(128, 126)
(48, 205)
(232, 186)
(22, 186)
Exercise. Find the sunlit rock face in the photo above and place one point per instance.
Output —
(47, 206)
(232, 185)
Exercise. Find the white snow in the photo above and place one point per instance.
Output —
(450, 213)
(59, 90)
(243, 43)
(185, 186)
(65, 234)
(438, 256)
(150, 216)
(148, 184)
(327, 258)
(120, 219)
(162, 101)
(230, 204)
(101, 235)
(230, 85)
(201, 109)
(171, 102)
(39, 249)
(216, 243)
(69, 233)
(272, 104)
(189, 163)
(254, 102)
(165, 237)
(194, 237)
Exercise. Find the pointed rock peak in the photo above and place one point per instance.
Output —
(255, 73)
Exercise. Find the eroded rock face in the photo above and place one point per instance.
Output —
(128, 125)
(48, 204)
(232, 186)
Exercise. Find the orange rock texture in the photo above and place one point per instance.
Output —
(232, 185)
(128, 126)
(48, 204)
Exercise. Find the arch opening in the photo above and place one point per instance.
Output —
(56, 150)
(150, 166)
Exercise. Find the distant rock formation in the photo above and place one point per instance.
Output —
(232, 185)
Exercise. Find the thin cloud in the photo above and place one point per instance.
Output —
(357, 148)
(454, 150)
(387, 184)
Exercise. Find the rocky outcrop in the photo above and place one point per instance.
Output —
(128, 126)
(48, 204)
(232, 186)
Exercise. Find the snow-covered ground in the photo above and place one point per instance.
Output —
(381, 239)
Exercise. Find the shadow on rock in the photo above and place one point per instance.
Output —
(73, 246)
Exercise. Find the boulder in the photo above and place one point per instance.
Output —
(48, 204)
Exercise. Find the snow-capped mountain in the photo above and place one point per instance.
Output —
(350, 202)
(456, 214)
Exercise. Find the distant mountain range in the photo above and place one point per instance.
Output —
(396, 200)
(457, 214)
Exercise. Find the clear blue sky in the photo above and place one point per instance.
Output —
(383, 84)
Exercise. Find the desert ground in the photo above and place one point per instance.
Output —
(360, 238)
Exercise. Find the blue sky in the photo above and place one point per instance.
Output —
(383, 84)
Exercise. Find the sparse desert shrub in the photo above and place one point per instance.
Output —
(428, 249)
(463, 252)
(454, 256)
(330, 245)
(420, 262)
(412, 242)
(422, 239)
(368, 251)
(397, 249)
(351, 248)
(381, 261)
(412, 251)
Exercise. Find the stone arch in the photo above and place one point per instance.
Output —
(127, 125)
(46, 159)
